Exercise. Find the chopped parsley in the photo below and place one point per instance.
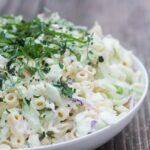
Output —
(61, 65)
(1, 99)
(46, 69)
(8, 111)
(42, 136)
(9, 69)
(35, 96)
(31, 70)
(65, 89)
(27, 101)
(101, 59)
(119, 89)
(2, 78)
(36, 39)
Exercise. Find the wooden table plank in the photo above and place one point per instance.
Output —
(11, 7)
(127, 20)
(3, 5)
(129, 137)
(143, 130)
(29, 8)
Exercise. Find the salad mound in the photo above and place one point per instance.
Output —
(59, 81)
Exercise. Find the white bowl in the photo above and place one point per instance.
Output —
(96, 139)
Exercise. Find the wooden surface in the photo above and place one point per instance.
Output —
(128, 20)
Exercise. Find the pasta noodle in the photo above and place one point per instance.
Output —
(81, 76)
(11, 99)
(17, 141)
(40, 103)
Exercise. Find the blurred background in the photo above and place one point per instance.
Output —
(127, 20)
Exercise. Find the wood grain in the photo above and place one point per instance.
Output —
(127, 20)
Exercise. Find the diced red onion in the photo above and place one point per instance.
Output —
(93, 124)
(78, 101)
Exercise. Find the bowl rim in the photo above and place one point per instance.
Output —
(61, 144)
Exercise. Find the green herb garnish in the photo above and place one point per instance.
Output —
(22, 39)
(8, 111)
(61, 65)
(27, 101)
(1, 99)
(65, 89)
(119, 89)
(101, 59)
(9, 69)
(42, 136)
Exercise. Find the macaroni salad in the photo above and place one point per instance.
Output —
(59, 81)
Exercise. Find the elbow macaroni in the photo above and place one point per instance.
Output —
(82, 76)
(17, 141)
(11, 99)
(62, 113)
(40, 103)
